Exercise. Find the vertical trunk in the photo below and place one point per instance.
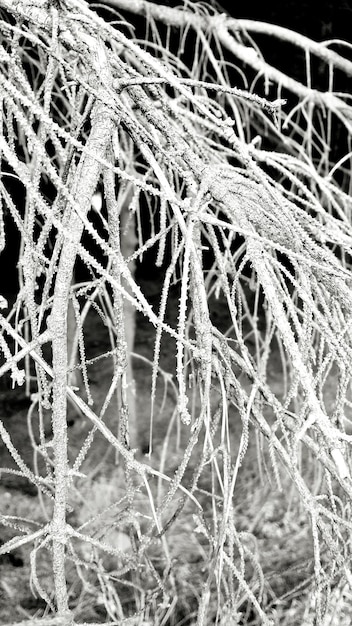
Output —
(122, 238)
(85, 184)
(128, 246)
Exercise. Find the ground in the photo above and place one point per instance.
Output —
(272, 525)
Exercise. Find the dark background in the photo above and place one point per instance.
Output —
(319, 20)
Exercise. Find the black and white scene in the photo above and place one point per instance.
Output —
(175, 313)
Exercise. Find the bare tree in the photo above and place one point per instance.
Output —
(247, 198)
